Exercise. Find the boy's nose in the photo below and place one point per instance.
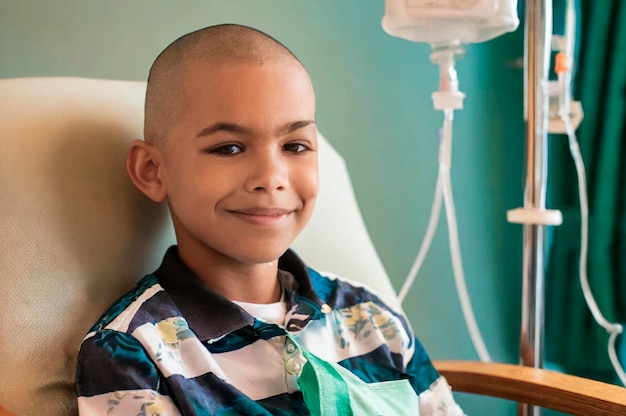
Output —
(268, 173)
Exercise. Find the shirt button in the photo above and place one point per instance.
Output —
(293, 366)
(290, 348)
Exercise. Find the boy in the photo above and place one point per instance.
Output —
(233, 322)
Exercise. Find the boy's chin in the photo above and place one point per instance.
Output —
(262, 256)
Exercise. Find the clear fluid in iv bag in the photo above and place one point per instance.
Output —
(449, 21)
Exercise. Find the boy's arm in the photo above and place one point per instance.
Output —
(116, 376)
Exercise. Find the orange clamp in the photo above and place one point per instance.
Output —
(560, 64)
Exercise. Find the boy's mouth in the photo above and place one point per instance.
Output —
(262, 216)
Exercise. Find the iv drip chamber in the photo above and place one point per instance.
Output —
(445, 21)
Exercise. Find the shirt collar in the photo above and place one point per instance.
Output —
(209, 314)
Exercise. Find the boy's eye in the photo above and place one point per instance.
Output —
(226, 150)
(295, 147)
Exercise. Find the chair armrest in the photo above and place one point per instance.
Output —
(563, 392)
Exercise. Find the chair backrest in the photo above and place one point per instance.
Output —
(75, 234)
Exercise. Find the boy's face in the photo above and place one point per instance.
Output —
(240, 167)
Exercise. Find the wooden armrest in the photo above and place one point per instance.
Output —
(549, 389)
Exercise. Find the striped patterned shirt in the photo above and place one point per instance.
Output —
(171, 346)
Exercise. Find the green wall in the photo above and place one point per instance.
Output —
(374, 106)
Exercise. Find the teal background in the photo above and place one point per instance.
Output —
(374, 106)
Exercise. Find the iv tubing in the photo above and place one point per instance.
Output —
(563, 70)
(614, 329)
(455, 249)
(443, 190)
(428, 238)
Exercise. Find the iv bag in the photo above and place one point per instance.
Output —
(449, 21)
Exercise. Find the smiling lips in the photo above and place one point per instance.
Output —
(262, 216)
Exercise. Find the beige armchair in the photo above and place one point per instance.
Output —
(75, 234)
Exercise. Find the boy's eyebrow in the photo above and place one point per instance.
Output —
(222, 126)
(293, 126)
(236, 128)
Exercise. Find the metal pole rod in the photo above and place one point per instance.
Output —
(538, 30)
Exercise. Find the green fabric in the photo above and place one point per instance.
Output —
(331, 390)
(573, 339)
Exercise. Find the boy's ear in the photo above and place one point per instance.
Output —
(143, 164)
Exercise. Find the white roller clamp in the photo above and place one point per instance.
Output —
(534, 216)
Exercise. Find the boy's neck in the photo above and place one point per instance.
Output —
(237, 281)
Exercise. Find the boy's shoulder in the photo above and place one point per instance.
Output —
(342, 292)
(122, 312)
(334, 290)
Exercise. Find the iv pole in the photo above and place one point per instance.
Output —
(538, 29)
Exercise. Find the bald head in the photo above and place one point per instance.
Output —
(216, 46)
